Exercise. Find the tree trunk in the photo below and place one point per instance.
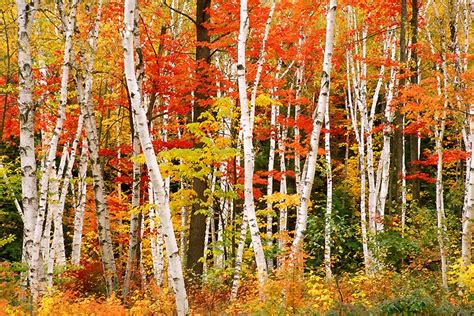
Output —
(385, 160)
(283, 224)
(197, 225)
(318, 118)
(468, 214)
(101, 208)
(328, 215)
(27, 142)
(156, 239)
(359, 135)
(141, 126)
(245, 121)
(135, 220)
(238, 258)
(80, 207)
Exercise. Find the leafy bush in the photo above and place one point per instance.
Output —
(413, 304)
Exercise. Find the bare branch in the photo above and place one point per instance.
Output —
(179, 12)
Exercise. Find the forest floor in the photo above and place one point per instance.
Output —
(407, 292)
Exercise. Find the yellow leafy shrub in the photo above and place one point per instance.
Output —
(320, 294)
(463, 277)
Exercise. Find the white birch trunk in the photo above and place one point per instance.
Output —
(440, 202)
(58, 235)
(253, 98)
(80, 207)
(468, 211)
(318, 118)
(245, 121)
(238, 258)
(141, 126)
(25, 20)
(361, 153)
(260, 62)
(468, 214)
(134, 254)
(385, 156)
(135, 219)
(101, 208)
(70, 165)
(156, 240)
(283, 223)
(298, 177)
(328, 215)
(53, 142)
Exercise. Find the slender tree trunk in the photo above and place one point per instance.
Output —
(57, 252)
(359, 135)
(299, 79)
(101, 208)
(398, 126)
(70, 166)
(206, 244)
(80, 207)
(468, 214)
(135, 220)
(253, 98)
(414, 146)
(156, 239)
(26, 14)
(440, 202)
(328, 215)
(53, 142)
(133, 260)
(245, 121)
(283, 224)
(385, 160)
(318, 118)
(238, 258)
(58, 235)
(141, 126)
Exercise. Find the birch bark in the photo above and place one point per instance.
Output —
(468, 216)
(468, 211)
(135, 220)
(384, 161)
(328, 215)
(360, 146)
(245, 121)
(26, 13)
(80, 207)
(318, 118)
(133, 260)
(61, 115)
(102, 211)
(156, 239)
(141, 126)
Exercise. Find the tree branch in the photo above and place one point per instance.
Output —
(179, 12)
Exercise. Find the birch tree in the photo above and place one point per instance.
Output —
(141, 126)
(26, 13)
(85, 81)
(246, 125)
(328, 215)
(81, 205)
(318, 119)
(468, 209)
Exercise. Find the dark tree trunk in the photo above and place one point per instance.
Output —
(397, 139)
(197, 226)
